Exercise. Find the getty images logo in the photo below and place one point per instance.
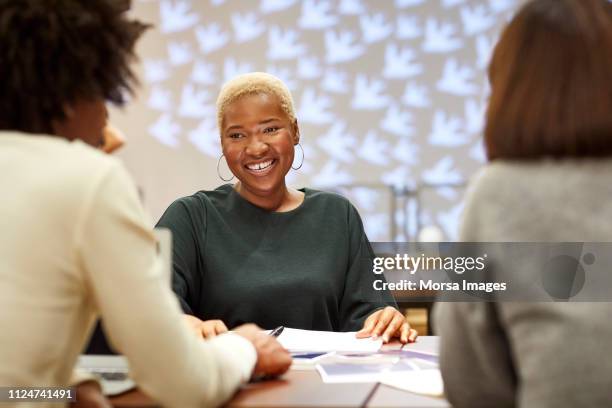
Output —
(563, 276)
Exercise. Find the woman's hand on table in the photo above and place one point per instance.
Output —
(272, 358)
(388, 323)
(205, 329)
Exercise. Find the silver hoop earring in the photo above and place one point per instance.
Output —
(302, 161)
(219, 173)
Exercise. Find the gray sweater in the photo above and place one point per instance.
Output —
(532, 354)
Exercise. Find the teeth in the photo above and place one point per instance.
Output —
(260, 166)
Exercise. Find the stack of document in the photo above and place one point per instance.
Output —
(308, 361)
(425, 382)
(112, 372)
(296, 340)
(409, 370)
(343, 358)
(370, 371)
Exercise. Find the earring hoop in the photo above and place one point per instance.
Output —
(219, 173)
(302, 161)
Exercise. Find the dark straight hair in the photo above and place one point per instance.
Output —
(551, 82)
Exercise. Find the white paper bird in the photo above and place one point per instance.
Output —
(448, 193)
(476, 19)
(375, 28)
(369, 94)
(211, 37)
(156, 70)
(285, 74)
(444, 171)
(398, 177)
(160, 99)
(400, 63)
(272, 6)
(165, 130)
(284, 45)
(341, 47)
(416, 96)
(398, 122)
(331, 175)
(246, 27)
(407, 27)
(452, 3)
(407, 3)
(335, 81)
(205, 137)
(407, 152)
(351, 7)
(499, 6)
(484, 49)
(195, 103)
(373, 149)
(338, 143)
(309, 68)
(179, 53)
(440, 37)
(315, 108)
(316, 15)
(232, 68)
(204, 73)
(457, 79)
(477, 152)
(447, 131)
(474, 114)
(176, 16)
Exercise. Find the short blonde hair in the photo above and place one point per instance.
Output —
(251, 84)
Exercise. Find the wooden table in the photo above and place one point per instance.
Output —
(305, 389)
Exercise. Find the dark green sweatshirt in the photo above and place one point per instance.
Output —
(309, 268)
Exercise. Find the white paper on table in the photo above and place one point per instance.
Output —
(424, 382)
(323, 341)
(334, 372)
(303, 361)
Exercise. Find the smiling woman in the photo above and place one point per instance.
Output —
(261, 251)
(258, 141)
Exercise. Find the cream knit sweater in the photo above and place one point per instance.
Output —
(75, 244)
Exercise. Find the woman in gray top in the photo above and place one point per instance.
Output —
(548, 138)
